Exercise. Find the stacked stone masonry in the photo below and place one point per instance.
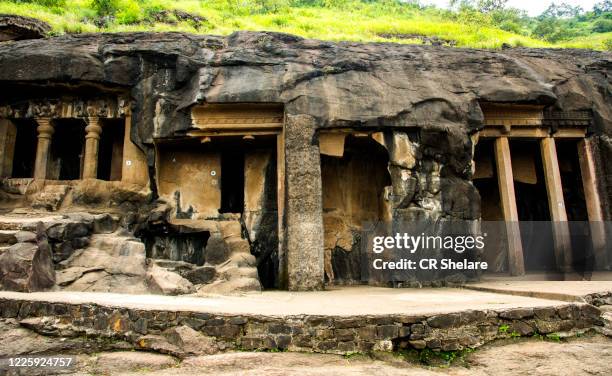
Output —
(153, 330)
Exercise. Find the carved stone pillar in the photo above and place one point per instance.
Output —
(45, 133)
(303, 207)
(505, 179)
(556, 204)
(92, 141)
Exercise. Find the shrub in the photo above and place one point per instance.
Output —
(105, 8)
(129, 13)
(511, 27)
(602, 26)
(607, 44)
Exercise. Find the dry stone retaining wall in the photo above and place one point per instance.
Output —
(156, 330)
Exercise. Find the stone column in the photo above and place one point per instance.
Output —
(505, 179)
(304, 207)
(92, 141)
(556, 204)
(45, 133)
(593, 201)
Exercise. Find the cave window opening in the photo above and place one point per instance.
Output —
(67, 150)
(110, 152)
(24, 155)
(232, 181)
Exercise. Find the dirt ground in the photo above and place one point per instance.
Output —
(591, 355)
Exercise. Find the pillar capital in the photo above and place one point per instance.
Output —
(93, 128)
(45, 127)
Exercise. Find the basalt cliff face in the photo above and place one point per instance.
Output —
(434, 89)
(432, 95)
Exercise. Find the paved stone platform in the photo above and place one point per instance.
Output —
(342, 320)
(344, 301)
(535, 285)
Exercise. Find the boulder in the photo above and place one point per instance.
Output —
(69, 231)
(191, 342)
(16, 266)
(25, 237)
(201, 274)
(43, 271)
(162, 281)
(104, 224)
(28, 267)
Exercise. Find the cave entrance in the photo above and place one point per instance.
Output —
(536, 175)
(231, 168)
(24, 152)
(110, 150)
(232, 180)
(228, 178)
(354, 176)
(67, 150)
(532, 206)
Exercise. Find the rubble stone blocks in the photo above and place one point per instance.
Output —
(183, 333)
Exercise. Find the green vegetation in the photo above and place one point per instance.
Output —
(467, 23)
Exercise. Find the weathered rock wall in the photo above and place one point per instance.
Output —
(432, 93)
(338, 84)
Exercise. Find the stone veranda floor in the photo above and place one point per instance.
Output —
(339, 301)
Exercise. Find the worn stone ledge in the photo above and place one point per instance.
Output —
(310, 333)
(599, 299)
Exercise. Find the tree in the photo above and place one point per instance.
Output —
(561, 10)
(604, 6)
(105, 8)
(487, 6)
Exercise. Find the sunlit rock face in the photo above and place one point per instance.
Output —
(292, 215)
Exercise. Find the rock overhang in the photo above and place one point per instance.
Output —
(345, 84)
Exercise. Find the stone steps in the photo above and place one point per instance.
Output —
(100, 223)
(606, 318)
(27, 222)
(238, 272)
(7, 237)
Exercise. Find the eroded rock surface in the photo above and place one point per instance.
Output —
(14, 27)
(425, 101)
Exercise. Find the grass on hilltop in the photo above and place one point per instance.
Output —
(335, 20)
